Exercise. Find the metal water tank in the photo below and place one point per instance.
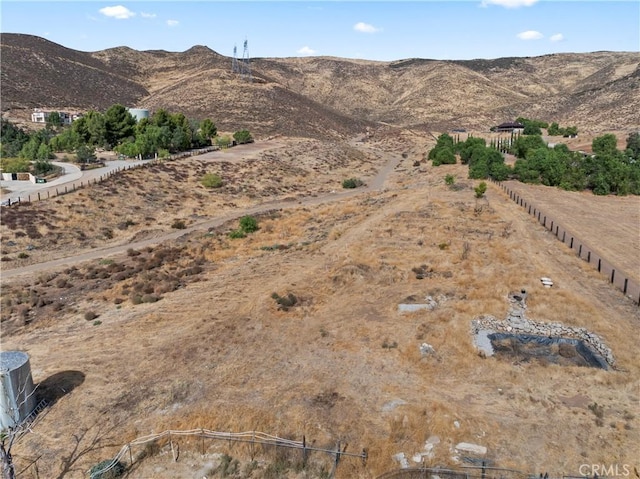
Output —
(17, 397)
(139, 113)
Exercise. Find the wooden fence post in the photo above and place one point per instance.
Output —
(304, 451)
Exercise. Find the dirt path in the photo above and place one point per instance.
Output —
(375, 185)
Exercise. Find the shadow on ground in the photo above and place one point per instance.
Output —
(58, 385)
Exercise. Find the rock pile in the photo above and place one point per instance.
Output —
(516, 322)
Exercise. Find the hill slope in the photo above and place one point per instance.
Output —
(325, 96)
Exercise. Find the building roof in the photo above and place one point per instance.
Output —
(510, 124)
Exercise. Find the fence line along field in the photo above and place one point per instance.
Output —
(610, 224)
(295, 329)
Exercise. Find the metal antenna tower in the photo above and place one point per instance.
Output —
(235, 68)
(245, 65)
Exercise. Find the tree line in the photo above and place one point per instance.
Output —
(607, 171)
(115, 129)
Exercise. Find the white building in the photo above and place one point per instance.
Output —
(41, 116)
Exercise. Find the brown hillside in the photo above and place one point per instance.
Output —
(40, 73)
(322, 96)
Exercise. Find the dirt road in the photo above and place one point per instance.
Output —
(375, 185)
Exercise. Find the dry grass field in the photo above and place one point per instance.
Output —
(185, 333)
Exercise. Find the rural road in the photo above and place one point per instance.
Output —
(72, 174)
(376, 184)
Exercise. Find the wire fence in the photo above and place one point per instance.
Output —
(616, 276)
(464, 472)
(170, 438)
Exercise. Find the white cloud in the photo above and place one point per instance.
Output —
(173, 23)
(558, 37)
(306, 51)
(119, 12)
(365, 28)
(530, 35)
(508, 3)
(147, 15)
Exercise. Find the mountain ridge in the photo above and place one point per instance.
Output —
(320, 96)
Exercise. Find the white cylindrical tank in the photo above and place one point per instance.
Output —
(139, 113)
(17, 398)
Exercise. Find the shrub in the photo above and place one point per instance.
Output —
(117, 470)
(449, 180)
(211, 180)
(387, 345)
(22, 255)
(480, 189)
(90, 315)
(150, 298)
(178, 224)
(285, 302)
(242, 136)
(136, 299)
(351, 183)
(248, 224)
(444, 156)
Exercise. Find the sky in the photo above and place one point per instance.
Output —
(371, 30)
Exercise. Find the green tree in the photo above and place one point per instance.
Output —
(481, 189)
(633, 146)
(91, 128)
(531, 129)
(68, 140)
(605, 144)
(44, 152)
(554, 129)
(54, 119)
(161, 118)
(242, 136)
(208, 129)
(12, 139)
(444, 156)
(30, 148)
(119, 124)
(42, 167)
(85, 154)
(527, 142)
(128, 149)
(466, 148)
